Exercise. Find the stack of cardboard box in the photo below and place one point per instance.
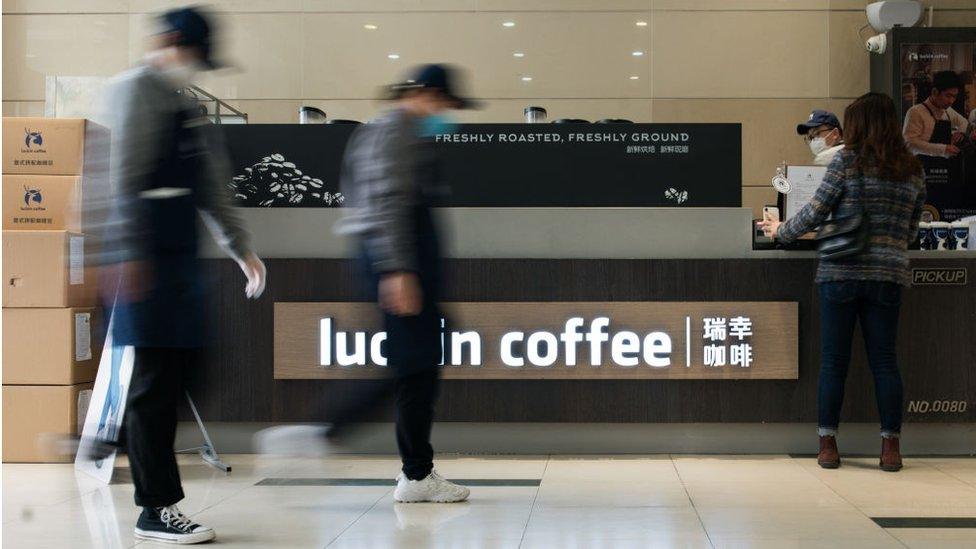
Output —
(52, 331)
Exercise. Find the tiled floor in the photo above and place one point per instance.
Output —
(558, 502)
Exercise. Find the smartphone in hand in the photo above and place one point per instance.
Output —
(770, 213)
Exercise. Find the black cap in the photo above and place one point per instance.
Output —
(818, 118)
(194, 29)
(442, 78)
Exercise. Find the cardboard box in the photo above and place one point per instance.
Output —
(35, 417)
(42, 202)
(47, 269)
(54, 146)
(51, 346)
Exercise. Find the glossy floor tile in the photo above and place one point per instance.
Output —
(617, 502)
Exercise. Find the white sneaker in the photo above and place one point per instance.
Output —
(434, 488)
(294, 440)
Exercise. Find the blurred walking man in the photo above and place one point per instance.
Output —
(163, 176)
(390, 177)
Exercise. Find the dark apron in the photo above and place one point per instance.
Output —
(172, 313)
(943, 176)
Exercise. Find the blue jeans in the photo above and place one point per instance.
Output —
(876, 304)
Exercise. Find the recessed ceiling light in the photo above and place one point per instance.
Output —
(526, 79)
(508, 24)
(370, 26)
(394, 56)
(635, 77)
(642, 23)
(518, 54)
(637, 53)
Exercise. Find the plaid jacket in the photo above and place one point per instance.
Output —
(383, 185)
(892, 208)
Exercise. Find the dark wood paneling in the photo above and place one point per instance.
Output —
(937, 343)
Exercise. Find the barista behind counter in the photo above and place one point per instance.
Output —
(824, 135)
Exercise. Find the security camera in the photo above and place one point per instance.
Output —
(884, 16)
(877, 43)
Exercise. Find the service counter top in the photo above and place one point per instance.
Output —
(541, 233)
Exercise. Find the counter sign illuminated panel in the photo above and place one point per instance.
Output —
(553, 340)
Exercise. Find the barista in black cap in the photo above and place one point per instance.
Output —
(390, 178)
(163, 175)
(823, 134)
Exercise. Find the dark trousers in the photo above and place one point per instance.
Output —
(413, 352)
(414, 395)
(157, 387)
(876, 305)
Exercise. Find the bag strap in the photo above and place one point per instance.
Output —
(858, 177)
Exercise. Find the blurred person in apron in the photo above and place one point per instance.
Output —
(164, 176)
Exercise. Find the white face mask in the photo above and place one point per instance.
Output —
(183, 74)
(818, 145)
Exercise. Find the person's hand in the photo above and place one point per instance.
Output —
(769, 227)
(256, 273)
(957, 137)
(400, 293)
(952, 150)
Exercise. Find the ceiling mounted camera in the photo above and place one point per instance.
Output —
(877, 43)
(884, 16)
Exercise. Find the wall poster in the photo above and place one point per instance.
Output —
(950, 182)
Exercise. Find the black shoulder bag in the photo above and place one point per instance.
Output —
(847, 236)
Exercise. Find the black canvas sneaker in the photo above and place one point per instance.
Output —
(169, 525)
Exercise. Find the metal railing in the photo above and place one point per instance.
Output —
(218, 111)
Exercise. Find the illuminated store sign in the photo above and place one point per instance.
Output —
(558, 340)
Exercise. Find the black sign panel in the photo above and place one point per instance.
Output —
(953, 276)
(286, 165)
(510, 165)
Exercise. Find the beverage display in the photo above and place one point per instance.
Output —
(959, 235)
(940, 235)
(924, 235)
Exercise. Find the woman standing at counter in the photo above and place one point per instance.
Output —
(876, 175)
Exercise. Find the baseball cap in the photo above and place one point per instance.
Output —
(436, 77)
(195, 29)
(818, 118)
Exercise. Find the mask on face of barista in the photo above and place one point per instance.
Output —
(437, 124)
(818, 145)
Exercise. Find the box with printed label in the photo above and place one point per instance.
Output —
(51, 346)
(36, 418)
(47, 269)
(42, 203)
(54, 146)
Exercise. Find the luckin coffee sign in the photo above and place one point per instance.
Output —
(557, 340)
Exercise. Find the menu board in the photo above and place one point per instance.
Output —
(804, 181)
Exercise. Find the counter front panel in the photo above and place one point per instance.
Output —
(936, 343)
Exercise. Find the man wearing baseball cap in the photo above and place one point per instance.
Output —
(391, 177)
(164, 174)
(823, 134)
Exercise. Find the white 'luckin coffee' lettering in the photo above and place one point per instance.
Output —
(540, 349)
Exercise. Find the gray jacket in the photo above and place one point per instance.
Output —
(142, 105)
(382, 187)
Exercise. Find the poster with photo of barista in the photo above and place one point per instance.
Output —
(950, 178)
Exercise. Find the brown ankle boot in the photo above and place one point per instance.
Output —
(890, 454)
(829, 457)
